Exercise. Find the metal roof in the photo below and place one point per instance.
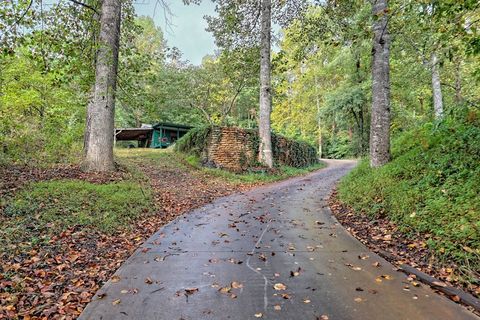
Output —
(171, 125)
(131, 133)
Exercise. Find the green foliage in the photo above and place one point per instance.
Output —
(57, 205)
(41, 120)
(293, 153)
(431, 186)
(338, 146)
(194, 142)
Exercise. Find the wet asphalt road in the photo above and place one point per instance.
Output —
(280, 234)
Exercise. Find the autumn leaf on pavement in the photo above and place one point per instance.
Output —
(279, 286)
(225, 290)
(190, 291)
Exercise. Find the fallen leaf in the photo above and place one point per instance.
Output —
(258, 315)
(225, 290)
(277, 307)
(236, 285)
(115, 302)
(190, 291)
(279, 286)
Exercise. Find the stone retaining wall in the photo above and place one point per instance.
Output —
(236, 150)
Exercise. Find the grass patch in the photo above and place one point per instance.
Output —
(251, 177)
(41, 209)
(431, 186)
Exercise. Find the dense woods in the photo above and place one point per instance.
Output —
(330, 73)
(395, 83)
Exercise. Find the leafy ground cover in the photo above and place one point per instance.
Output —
(65, 232)
(425, 202)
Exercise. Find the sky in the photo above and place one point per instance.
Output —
(187, 32)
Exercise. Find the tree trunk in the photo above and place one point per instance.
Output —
(265, 150)
(380, 117)
(101, 110)
(436, 88)
(458, 81)
(319, 119)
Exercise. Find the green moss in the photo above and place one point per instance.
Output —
(431, 186)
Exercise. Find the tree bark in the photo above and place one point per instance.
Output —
(319, 118)
(380, 115)
(436, 88)
(458, 81)
(265, 150)
(99, 133)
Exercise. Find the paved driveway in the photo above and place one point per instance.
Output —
(274, 252)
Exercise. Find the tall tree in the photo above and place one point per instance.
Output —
(436, 87)
(264, 128)
(380, 115)
(247, 24)
(101, 110)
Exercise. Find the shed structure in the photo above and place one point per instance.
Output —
(160, 135)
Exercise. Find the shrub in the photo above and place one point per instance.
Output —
(432, 186)
(194, 141)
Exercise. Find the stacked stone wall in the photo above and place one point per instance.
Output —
(236, 150)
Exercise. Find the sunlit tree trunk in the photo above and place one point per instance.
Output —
(265, 150)
(380, 115)
(99, 132)
(436, 88)
(319, 119)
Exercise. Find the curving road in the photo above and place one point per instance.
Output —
(274, 252)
